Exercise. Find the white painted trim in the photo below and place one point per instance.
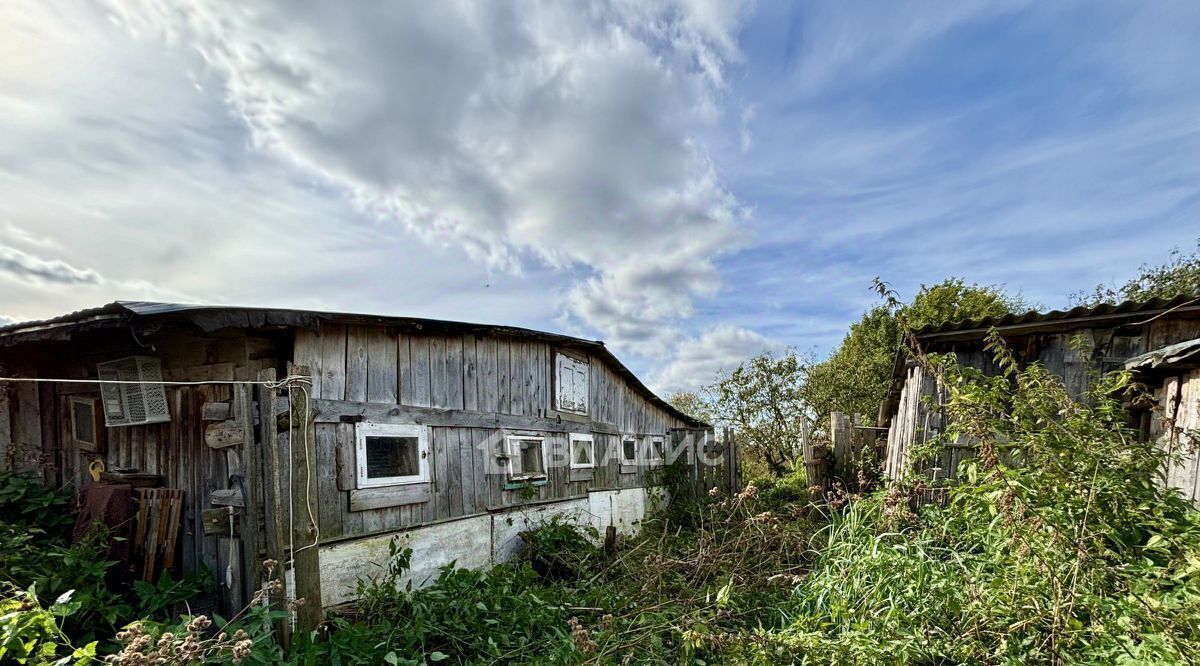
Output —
(581, 437)
(579, 403)
(514, 454)
(637, 447)
(650, 457)
(365, 429)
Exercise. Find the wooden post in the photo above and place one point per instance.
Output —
(274, 493)
(731, 462)
(306, 558)
(840, 430)
(251, 468)
(815, 467)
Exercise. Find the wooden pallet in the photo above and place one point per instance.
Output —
(157, 529)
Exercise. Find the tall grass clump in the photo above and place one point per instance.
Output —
(1059, 544)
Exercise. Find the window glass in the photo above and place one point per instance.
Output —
(581, 452)
(629, 450)
(85, 421)
(530, 455)
(392, 456)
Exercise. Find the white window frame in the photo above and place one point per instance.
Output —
(579, 403)
(365, 429)
(637, 447)
(581, 437)
(649, 456)
(513, 452)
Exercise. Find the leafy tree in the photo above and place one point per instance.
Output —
(1179, 276)
(692, 403)
(763, 399)
(856, 377)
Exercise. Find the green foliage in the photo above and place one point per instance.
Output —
(35, 553)
(763, 399)
(1057, 546)
(560, 551)
(500, 615)
(25, 502)
(692, 403)
(779, 492)
(856, 377)
(671, 595)
(245, 639)
(1178, 276)
(158, 601)
(31, 633)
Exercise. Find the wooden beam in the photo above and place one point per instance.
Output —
(363, 499)
(306, 558)
(340, 411)
(274, 492)
(243, 402)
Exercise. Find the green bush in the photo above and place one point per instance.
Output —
(560, 551)
(25, 502)
(500, 615)
(1058, 545)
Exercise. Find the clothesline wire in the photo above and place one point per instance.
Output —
(282, 383)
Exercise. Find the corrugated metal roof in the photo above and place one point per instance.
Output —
(214, 317)
(1033, 318)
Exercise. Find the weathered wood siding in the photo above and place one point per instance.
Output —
(1076, 356)
(1176, 427)
(175, 450)
(470, 390)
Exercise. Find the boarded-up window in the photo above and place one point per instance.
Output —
(391, 454)
(571, 384)
(583, 451)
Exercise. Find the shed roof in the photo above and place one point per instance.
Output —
(1184, 354)
(151, 315)
(1106, 314)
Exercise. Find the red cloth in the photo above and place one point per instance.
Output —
(110, 505)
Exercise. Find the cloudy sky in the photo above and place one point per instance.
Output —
(692, 181)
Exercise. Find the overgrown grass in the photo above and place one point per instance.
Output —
(672, 593)
(1071, 552)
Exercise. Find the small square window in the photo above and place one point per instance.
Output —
(654, 450)
(86, 428)
(526, 458)
(629, 451)
(391, 454)
(583, 451)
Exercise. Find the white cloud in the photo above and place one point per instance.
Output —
(521, 131)
(699, 360)
(26, 266)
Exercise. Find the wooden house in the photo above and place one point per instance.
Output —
(316, 438)
(1157, 339)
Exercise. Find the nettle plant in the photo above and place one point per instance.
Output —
(1057, 543)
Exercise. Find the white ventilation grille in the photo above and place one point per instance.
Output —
(143, 401)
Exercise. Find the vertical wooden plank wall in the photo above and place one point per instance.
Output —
(477, 373)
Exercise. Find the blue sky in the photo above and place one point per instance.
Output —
(1048, 148)
(693, 181)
